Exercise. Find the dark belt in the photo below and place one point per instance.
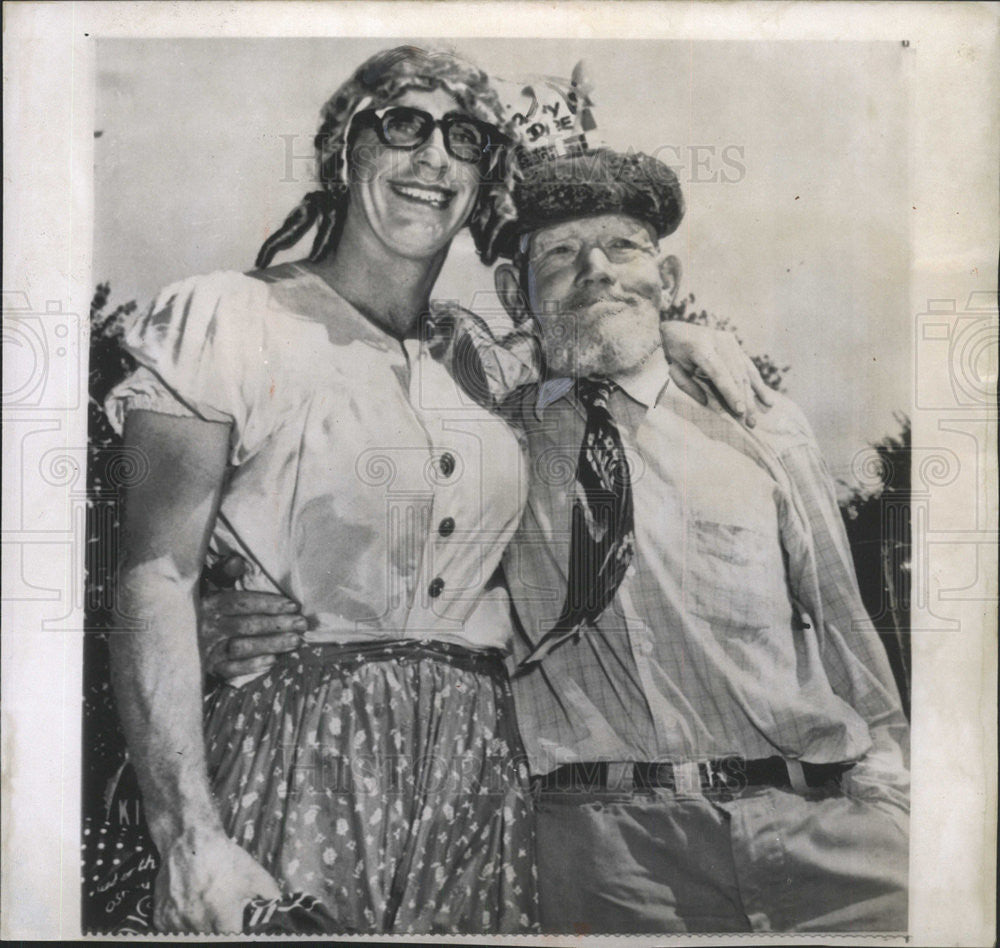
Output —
(349, 655)
(728, 774)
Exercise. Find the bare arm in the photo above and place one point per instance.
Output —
(156, 673)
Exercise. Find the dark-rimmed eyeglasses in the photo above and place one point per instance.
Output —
(465, 138)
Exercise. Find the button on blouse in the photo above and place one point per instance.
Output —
(344, 444)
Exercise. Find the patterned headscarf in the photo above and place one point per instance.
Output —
(378, 81)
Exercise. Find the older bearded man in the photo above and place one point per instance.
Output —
(715, 735)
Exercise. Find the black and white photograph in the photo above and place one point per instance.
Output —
(506, 485)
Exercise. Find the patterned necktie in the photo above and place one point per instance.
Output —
(602, 538)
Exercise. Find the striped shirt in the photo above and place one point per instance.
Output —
(739, 628)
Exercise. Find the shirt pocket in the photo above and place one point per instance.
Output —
(731, 577)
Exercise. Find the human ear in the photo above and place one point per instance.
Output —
(670, 278)
(507, 282)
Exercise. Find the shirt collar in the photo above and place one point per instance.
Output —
(644, 386)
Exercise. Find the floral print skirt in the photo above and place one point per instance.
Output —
(386, 780)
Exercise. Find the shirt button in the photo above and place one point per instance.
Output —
(447, 464)
(436, 587)
(446, 527)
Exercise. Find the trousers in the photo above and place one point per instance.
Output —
(766, 859)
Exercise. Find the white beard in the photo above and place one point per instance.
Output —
(607, 339)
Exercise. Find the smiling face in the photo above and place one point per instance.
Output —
(595, 287)
(413, 201)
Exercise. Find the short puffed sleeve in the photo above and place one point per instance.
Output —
(200, 350)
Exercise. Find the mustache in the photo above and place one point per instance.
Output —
(586, 299)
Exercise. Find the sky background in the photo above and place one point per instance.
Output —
(792, 157)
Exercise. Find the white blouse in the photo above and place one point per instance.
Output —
(364, 483)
